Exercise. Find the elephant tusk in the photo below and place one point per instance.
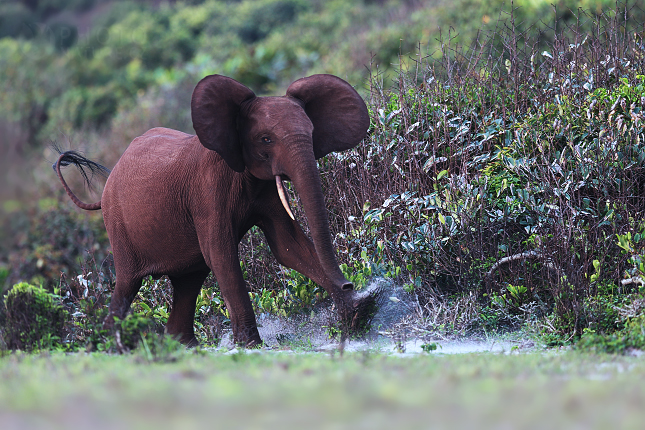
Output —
(283, 196)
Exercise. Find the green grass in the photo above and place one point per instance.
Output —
(359, 390)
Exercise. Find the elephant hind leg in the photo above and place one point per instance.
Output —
(184, 297)
(124, 293)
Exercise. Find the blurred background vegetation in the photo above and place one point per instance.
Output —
(100, 73)
(461, 94)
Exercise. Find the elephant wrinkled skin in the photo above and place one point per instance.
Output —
(177, 204)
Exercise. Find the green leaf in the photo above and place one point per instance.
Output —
(442, 174)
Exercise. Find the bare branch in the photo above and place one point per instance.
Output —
(526, 255)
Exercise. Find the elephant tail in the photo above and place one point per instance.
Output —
(72, 157)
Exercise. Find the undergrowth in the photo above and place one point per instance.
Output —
(510, 173)
(34, 318)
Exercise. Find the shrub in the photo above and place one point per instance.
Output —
(254, 20)
(34, 318)
(50, 239)
(142, 334)
(129, 331)
(510, 178)
(632, 337)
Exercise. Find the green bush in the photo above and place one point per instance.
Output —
(630, 338)
(49, 240)
(37, 319)
(33, 77)
(34, 318)
(254, 20)
(129, 331)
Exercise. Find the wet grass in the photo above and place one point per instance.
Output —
(316, 390)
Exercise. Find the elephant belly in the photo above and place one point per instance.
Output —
(152, 242)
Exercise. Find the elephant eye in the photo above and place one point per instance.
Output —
(266, 140)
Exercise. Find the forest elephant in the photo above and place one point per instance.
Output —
(178, 205)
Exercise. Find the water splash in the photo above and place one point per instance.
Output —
(394, 304)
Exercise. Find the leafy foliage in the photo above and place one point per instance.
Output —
(632, 337)
(511, 180)
(54, 239)
(34, 318)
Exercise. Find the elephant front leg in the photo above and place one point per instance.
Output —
(226, 269)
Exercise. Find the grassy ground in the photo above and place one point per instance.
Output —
(359, 390)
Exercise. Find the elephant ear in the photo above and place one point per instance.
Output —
(215, 107)
(338, 113)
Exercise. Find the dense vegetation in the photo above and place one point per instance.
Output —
(502, 180)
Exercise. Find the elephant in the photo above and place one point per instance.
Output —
(177, 204)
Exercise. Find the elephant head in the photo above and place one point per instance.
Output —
(280, 138)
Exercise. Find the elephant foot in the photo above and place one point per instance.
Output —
(254, 344)
(247, 338)
(188, 341)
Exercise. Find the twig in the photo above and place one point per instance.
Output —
(119, 345)
(633, 280)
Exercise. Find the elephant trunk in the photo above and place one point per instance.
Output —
(306, 180)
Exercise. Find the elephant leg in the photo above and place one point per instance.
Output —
(293, 249)
(126, 289)
(185, 290)
(233, 288)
